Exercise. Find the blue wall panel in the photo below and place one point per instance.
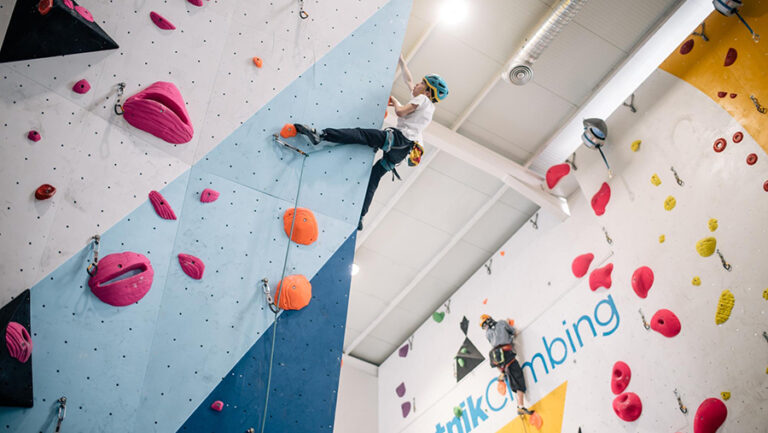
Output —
(307, 360)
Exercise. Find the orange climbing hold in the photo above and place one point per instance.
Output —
(536, 421)
(258, 62)
(501, 387)
(288, 131)
(296, 296)
(304, 229)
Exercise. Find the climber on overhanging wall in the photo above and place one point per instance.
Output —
(501, 336)
(397, 143)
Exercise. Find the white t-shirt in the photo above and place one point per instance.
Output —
(413, 124)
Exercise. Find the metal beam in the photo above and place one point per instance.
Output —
(428, 268)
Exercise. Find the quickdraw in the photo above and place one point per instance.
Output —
(631, 104)
(726, 265)
(62, 413)
(642, 316)
(302, 13)
(535, 221)
(702, 35)
(680, 404)
(277, 139)
(93, 266)
(677, 178)
(607, 238)
(118, 106)
(268, 295)
(759, 107)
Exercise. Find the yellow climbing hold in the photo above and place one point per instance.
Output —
(724, 307)
(706, 247)
(662, 239)
(655, 179)
(712, 224)
(725, 395)
(696, 281)
(670, 203)
(635, 146)
(765, 294)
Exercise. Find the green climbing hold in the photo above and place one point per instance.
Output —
(463, 350)
(458, 412)
(438, 316)
(460, 361)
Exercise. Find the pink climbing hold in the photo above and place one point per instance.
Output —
(710, 416)
(400, 390)
(601, 277)
(406, 408)
(217, 405)
(34, 135)
(121, 292)
(159, 109)
(665, 323)
(601, 199)
(18, 341)
(192, 266)
(160, 21)
(628, 406)
(403, 352)
(557, 172)
(208, 195)
(69, 4)
(642, 280)
(161, 206)
(82, 86)
(580, 264)
(620, 377)
(197, 3)
(85, 13)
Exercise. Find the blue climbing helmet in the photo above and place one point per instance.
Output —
(438, 87)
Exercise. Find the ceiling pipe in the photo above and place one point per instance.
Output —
(519, 71)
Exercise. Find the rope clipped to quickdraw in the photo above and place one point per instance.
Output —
(268, 294)
(118, 106)
(91, 269)
(62, 413)
(302, 13)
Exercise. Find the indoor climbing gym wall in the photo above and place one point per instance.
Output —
(646, 310)
(154, 201)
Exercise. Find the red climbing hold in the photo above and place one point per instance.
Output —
(406, 408)
(620, 377)
(722, 94)
(34, 135)
(665, 323)
(686, 47)
(400, 390)
(45, 191)
(82, 86)
(197, 3)
(121, 292)
(765, 186)
(85, 13)
(601, 277)
(160, 21)
(751, 159)
(628, 406)
(217, 405)
(160, 110)
(161, 206)
(18, 342)
(601, 199)
(733, 95)
(557, 172)
(192, 266)
(737, 137)
(288, 131)
(44, 6)
(580, 264)
(730, 57)
(710, 416)
(719, 145)
(208, 195)
(642, 280)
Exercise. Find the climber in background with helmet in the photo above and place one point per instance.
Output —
(501, 336)
(404, 140)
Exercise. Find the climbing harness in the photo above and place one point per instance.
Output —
(759, 107)
(268, 294)
(702, 34)
(302, 13)
(677, 178)
(93, 267)
(631, 104)
(535, 221)
(62, 413)
(118, 105)
(607, 237)
(642, 316)
(726, 265)
(277, 139)
(683, 409)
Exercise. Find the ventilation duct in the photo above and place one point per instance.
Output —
(519, 71)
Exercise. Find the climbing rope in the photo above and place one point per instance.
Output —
(91, 269)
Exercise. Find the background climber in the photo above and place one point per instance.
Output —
(502, 355)
(396, 143)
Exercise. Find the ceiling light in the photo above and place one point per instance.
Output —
(453, 11)
(355, 269)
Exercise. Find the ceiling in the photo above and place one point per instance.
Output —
(437, 230)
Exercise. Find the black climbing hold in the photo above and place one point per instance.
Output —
(15, 377)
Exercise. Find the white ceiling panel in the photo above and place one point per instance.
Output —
(427, 297)
(460, 171)
(406, 240)
(460, 263)
(503, 145)
(416, 27)
(379, 276)
(516, 200)
(362, 309)
(527, 115)
(396, 328)
(575, 63)
(496, 226)
(372, 348)
(441, 201)
(622, 22)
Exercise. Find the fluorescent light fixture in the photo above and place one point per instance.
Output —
(453, 11)
(355, 269)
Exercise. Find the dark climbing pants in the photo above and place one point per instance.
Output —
(374, 138)
(515, 376)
